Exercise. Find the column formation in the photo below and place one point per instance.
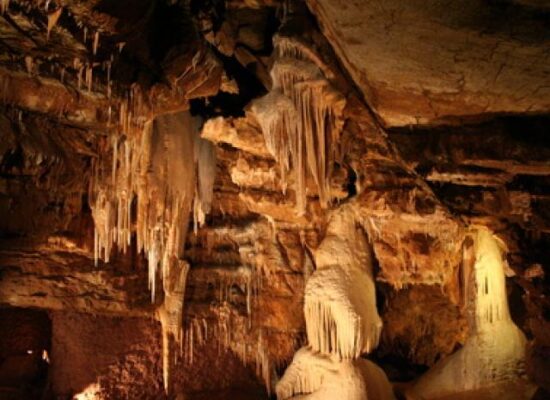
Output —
(494, 353)
(342, 322)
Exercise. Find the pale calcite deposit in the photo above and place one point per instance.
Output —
(342, 322)
(495, 351)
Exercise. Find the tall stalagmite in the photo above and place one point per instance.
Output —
(495, 351)
(341, 319)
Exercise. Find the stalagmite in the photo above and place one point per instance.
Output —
(303, 133)
(342, 322)
(316, 376)
(495, 351)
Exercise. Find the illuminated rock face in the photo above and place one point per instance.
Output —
(495, 351)
(341, 320)
(99, 106)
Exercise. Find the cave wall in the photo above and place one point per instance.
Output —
(120, 357)
(426, 148)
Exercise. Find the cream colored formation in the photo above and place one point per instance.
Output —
(168, 172)
(495, 351)
(163, 175)
(342, 322)
(303, 134)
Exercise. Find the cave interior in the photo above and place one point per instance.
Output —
(274, 199)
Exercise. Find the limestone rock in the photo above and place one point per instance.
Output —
(431, 62)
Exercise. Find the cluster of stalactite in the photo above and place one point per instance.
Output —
(301, 120)
(158, 177)
(167, 171)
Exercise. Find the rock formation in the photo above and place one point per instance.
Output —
(495, 350)
(342, 322)
(215, 199)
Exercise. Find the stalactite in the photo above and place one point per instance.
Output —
(96, 43)
(205, 159)
(53, 17)
(29, 64)
(303, 133)
(4, 5)
(196, 333)
(171, 315)
(89, 77)
(165, 190)
(79, 77)
(164, 166)
(495, 351)
(263, 365)
(108, 63)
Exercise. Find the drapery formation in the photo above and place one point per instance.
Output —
(159, 175)
(301, 120)
(341, 319)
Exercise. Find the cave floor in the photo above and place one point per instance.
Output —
(522, 390)
(227, 395)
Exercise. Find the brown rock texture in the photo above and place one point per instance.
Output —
(437, 116)
(119, 358)
(430, 62)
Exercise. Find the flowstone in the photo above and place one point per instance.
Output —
(494, 353)
(341, 320)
